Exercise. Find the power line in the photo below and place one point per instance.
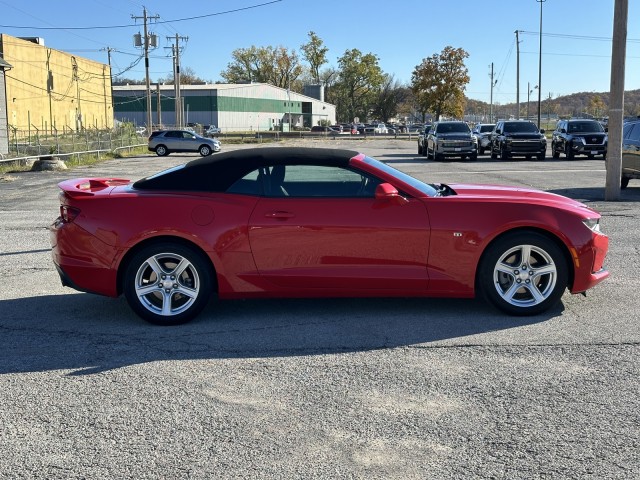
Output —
(577, 37)
(95, 27)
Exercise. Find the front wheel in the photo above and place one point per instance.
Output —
(504, 155)
(162, 151)
(205, 150)
(494, 155)
(624, 182)
(523, 273)
(167, 283)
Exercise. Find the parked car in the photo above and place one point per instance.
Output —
(141, 130)
(512, 138)
(422, 140)
(482, 132)
(579, 136)
(313, 222)
(451, 139)
(212, 130)
(630, 152)
(380, 128)
(325, 130)
(164, 142)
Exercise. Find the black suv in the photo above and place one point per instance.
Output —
(517, 138)
(579, 136)
(630, 152)
(450, 139)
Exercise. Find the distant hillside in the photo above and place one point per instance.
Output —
(589, 103)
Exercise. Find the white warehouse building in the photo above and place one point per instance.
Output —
(232, 107)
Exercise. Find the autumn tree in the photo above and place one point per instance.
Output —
(274, 65)
(187, 77)
(360, 79)
(389, 98)
(315, 53)
(596, 105)
(439, 83)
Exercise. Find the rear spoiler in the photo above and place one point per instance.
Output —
(84, 187)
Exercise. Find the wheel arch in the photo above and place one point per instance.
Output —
(546, 233)
(124, 262)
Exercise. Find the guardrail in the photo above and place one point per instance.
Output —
(28, 158)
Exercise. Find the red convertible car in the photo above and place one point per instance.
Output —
(298, 222)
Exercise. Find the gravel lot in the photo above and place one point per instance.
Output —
(348, 388)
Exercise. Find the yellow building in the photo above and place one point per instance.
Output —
(50, 91)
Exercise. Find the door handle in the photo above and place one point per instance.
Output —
(279, 214)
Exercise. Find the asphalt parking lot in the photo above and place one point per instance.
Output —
(348, 388)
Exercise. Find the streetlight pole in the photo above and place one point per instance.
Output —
(540, 64)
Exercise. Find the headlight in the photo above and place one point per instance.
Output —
(592, 224)
(578, 140)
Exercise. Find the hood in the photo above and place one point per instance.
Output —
(525, 135)
(455, 136)
(515, 194)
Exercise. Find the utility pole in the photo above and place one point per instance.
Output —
(148, 39)
(106, 113)
(493, 83)
(616, 106)
(175, 49)
(517, 77)
(159, 104)
(540, 64)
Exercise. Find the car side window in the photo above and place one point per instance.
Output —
(306, 181)
(634, 135)
(173, 134)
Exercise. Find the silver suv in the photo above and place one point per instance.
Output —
(164, 142)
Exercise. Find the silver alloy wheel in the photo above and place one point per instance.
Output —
(167, 284)
(525, 275)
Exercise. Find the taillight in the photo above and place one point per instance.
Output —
(68, 214)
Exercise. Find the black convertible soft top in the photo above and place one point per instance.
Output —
(218, 172)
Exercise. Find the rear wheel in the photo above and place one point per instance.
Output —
(167, 283)
(162, 151)
(523, 273)
(624, 183)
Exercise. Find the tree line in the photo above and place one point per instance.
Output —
(356, 85)
(359, 88)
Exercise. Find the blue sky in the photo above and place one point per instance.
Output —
(576, 42)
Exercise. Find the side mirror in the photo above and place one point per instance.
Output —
(542, 130)
(563, 130)
(388, 193)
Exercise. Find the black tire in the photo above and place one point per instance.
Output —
(569, 152)
(473, 156)
(160, 297)
(494, 155)
(205, 150)
(503, 153)
(541, 156)
(503, 264)
(419, 149)
(480, 151)
(554, 153)
(162, 151)
(624, 182)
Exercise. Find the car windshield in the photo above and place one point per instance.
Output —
(403, 177)
(520, 127)
(486, 128)
(585, 127)
(453, 128)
